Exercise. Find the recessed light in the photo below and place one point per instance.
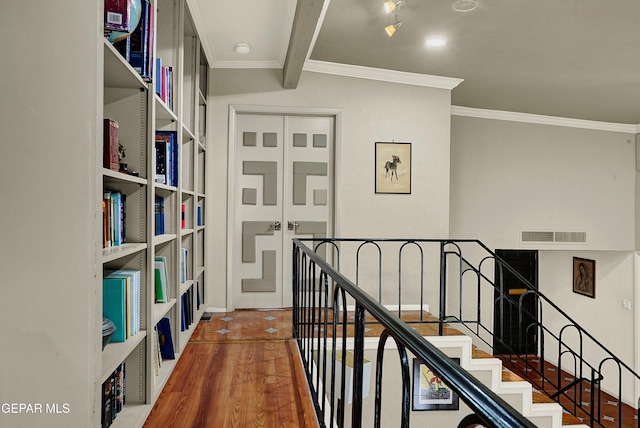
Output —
(243, 48)
(464, 5)
(436, 42)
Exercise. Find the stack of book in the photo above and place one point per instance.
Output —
(136, 48)
(113, 396)
(167, 158)
(121, 297)
(164, 83)
(113, 219)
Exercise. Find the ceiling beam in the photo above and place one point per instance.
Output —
(308, 14)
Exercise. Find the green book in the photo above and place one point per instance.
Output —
(114, 305)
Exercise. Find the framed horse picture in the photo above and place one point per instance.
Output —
(393, 168)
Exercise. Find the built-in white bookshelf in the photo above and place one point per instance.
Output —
(140, 112)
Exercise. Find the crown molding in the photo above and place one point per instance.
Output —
(544, 120)
(381, 74)
(246, 64)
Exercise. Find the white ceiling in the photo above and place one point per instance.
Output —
(566, 58)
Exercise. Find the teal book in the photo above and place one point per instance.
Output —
(114, 305)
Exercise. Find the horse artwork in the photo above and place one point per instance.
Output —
(392, 166)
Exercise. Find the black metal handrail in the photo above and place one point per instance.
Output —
(315, 284)
(463, 275)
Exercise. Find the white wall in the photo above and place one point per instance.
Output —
(509, 176)
(48, 230)
(371, 111)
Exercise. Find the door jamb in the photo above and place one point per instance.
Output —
(234, 110)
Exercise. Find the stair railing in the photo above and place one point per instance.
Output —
(463, 278)
(320, 322)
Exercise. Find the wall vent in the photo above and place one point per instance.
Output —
(551, 237)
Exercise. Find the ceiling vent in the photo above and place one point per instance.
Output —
(554, 237)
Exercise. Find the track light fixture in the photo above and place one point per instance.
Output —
(392, 6)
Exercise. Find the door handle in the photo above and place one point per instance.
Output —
(275, 226)
(292, 225)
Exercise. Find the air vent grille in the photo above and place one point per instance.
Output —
(551, 237)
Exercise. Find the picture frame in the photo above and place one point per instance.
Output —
(429, 392)
(584, 277)
(392, 168)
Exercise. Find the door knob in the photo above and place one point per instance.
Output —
(275, 226)
(292, 225)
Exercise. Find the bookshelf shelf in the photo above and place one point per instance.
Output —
(163, 113)
(161, 309)
(115, 177)
(124, 250)
(118, 73)
(114, 353)
(163, 239)
(185, 286)
(165, 97)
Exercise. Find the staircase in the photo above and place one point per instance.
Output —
(534, 405)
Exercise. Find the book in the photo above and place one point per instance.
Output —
(183, 209)
(199, 215)
(116, 15)
(159, 215)
(165, 339)
(140, 47)
(110, 143)
(167, 157)
(161, 162)
(124, 48)
(184, 273)
(135, 296)
(119, 382)
(114, 305)
(161, 279)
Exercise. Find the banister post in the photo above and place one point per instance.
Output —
(358, 362)
(443, 289)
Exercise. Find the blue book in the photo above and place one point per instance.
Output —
(114, 305)
(139, 51)
(165, 339)
(158, 76)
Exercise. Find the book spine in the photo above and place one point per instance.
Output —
(110, 144)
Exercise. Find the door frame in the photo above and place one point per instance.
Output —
(496, 310)
(234, 111)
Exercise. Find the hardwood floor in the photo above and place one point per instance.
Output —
(240, 369)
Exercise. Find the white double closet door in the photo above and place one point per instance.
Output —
(283, 188)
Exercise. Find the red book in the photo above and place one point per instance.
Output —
(183, 215)
(110, 157)
(116, 15)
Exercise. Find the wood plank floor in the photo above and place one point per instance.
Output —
(240, 369)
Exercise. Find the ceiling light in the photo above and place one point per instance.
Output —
(393, 6)
(391, 28)
(464, 5)
(243, 48)
(436, 42)
(390, 6)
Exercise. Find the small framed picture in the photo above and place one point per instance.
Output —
(584, 277)
(429, 392)
(393, 168)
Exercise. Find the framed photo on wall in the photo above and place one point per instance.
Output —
(393, 168)
(429, 392)
(584, 277)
